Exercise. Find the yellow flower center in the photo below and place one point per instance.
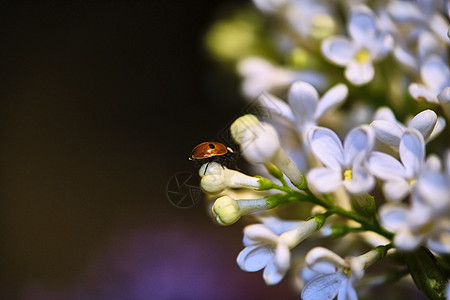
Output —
(347, 271)
(348, 175)
(412, 182)
(362, 56)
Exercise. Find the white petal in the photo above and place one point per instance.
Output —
(274, 107)
(424, 122)
(433, 188)
(427, 44)
(320, 254)
(393, 217)
(323, 287)
(323, 267)
(381, 46)
(254, 258)
(435, 73)
(403, 11)
(272, 274)
(385, 113)
(385, 166)
(327, 147)
(279, 226)
(362, 26)
(422, 92)
(405, 57)
(358, 142)
(440, 125)
(440, 243)
(412, 152)
(444, 96)
(359, 74)
(339, 50)
(260, 143)
(303, 99)
(362, 182)
(347, 291)
(325, 180)
(404, 239)
(396, 189)
(308, 274)
(331, 99)
(258, 233)
(388, 132)
(282, 257)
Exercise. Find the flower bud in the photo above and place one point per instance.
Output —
(216, 178)
(228, 211)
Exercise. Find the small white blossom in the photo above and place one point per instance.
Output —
(435, 86)
(216, 178)
(304, 108)
(365, 46)
(420, 16)
(269, 248)
(389, 131)
(399, 177)
(433, 186)
(308, 108)
(343, 164)
(327, 275)
(262, 76)
(415, 225)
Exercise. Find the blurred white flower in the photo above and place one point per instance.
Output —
(389, 131)
(262, 76)
(420, 16)
(308, 108)
(268, 246)
(435, 86)
(433, 187)
(343, 164)
(365, 46)
(399, 177)
(415, 225)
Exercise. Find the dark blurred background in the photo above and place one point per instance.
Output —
(102, 102)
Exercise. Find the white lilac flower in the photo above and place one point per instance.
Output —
(433, 186)
(227, 210)
(216, 178)
(365, 46)
(262, 76)
(260, 144)
(427, 45)
(435, 86)
(327, 275)
(421, 16)
(399, 176)
(415, 225)
(389, 131)
(305, 107)
(269, 247)
(342, 163)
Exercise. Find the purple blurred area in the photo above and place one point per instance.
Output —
(102, 102)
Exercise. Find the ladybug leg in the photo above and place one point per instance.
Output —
(207, 165)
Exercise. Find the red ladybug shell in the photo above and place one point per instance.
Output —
(208, 149)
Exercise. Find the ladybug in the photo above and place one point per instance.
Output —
(208, 152)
